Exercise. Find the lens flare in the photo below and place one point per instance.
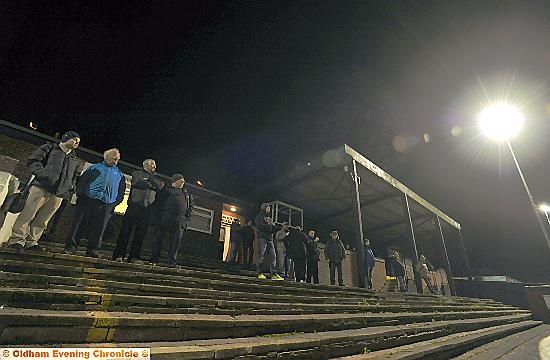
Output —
(501, 121)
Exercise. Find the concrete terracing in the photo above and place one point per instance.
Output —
(209, 310)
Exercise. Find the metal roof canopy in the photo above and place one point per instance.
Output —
(324, 188)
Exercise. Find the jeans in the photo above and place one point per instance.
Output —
(333, 267)
(135, 220)
(263, 246)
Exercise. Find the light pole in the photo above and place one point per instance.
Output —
(545, 208)
(501, 122)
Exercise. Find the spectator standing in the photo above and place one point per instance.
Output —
(175, 208)
(100, 189)
(235, 242)
(13, 184)
(335, 254)
(145, 185)
(265, 227)
(281, 249)
(55, 168)
(423, 268)
(369, 262)
(248, 237)
(312, 258)
(297, 252)
(398, 269)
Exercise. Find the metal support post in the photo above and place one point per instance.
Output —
(356, 205)
(447, 264)
(410, 228)
(470, 277)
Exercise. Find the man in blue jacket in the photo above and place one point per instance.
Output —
(100, 189)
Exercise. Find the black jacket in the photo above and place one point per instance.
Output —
(144, 188)
(335, 251)
(174, 202)
(247, 233)
(54, 171)
(235, 232)
(296, 244)
(312, 249)
(264, 224)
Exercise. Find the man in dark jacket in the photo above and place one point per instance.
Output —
(296, 251)
(369, 262)
(100, 189)
(55, 168)
(335, 254)
(312, 257)
(265, 227)
(145, 185)
(175, 208)
(235, 241)
(248, 237)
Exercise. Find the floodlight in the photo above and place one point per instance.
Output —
(501, 121)
(544, 207)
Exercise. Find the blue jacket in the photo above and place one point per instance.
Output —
(369, 257)
(102, 182)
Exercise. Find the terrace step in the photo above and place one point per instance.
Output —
(451, 345)
(318, 345)
(174, 288)
(25, 326)
(520, 346)
(88, 268)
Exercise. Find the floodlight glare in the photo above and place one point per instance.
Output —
(500, 121)
(544, 207)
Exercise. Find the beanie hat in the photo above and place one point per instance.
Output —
(69, 135)
(176, 177)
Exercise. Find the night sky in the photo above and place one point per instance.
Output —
(236, 92)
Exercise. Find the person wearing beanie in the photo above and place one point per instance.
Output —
(55, 168)
(174, 207)
(264, 224)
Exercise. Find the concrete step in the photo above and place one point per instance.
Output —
(69, 265)
(175, 287)
(317, 345)
(448, 346)
(186, 261)
(24, 326)
(519, 346)
(93, 300)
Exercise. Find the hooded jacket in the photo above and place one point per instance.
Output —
(54, 170)
(264, 223)
(296, 244)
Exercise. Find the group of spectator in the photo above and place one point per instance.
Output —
(57, 175)
(291, 253)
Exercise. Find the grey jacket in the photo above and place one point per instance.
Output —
(144, 188)
(54, 171)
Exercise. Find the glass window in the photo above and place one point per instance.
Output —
(201, 220)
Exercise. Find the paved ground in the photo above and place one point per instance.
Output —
(521, 346)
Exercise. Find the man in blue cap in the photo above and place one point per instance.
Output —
(55, 168)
